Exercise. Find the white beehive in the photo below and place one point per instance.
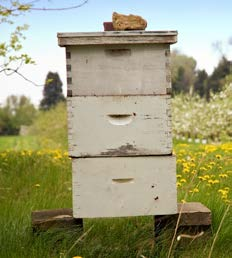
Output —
(119, 120)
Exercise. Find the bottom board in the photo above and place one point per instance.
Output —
(124, 186)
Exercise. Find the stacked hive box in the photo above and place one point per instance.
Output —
(119, 121)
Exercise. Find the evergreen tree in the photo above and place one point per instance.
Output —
(179, 84)
(52, 92)
(200, 84)
(217, 79)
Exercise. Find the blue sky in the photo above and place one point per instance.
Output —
(199, 24)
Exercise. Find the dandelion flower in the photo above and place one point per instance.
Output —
(183, 180)
(178, 184)
(223, 175)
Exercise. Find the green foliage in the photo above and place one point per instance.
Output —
(16, 112)
(200, 84)
(51, 127)
(183, 72)
(217, 79)
(11, 57)
(52, 92)
(194, 117)
(186, 79)
(36, 180)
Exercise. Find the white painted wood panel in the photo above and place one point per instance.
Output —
(124, 186)
(119, 126)
(119, 70)
(116, 37)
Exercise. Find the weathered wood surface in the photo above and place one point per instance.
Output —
(124, 186)
(119, 126)
(192, 215)
(117, 37)
(118, 70)
(54, 218)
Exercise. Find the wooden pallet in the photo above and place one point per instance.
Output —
(43, 220)
(193, 215)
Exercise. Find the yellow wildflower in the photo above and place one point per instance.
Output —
(202, 178)
(210, 148)
(209, 167)
(223, 175)
(183, 180)
(186, 170)
(203, 169)
(178, 184)
(213, 181)
(212, 163)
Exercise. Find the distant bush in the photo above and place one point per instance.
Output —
(194, 117)
(17, 111)
(51, 127)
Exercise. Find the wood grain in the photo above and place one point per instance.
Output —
(119, 70)
(119, 126)
(124, 186)
(117, 37)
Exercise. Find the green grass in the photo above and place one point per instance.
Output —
(31, 180)
(19, 143)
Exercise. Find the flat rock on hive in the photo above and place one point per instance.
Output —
(128, 22)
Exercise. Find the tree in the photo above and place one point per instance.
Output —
(183, 72)
(217, 80)
(200, 84)
(17, 111)
(52, 92)
(11, 56)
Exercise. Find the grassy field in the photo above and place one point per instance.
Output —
(32, 178)
(18, 143)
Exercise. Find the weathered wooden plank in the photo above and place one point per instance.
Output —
(124, 186)
(119, 70)
(54, 218)
(119, 126)
(117, 37)
(192, 214)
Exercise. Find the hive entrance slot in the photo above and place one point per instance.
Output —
(123, 180)
(120, 119)
(118, 52)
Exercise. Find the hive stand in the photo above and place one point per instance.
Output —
(43, 220)
(194, 217)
